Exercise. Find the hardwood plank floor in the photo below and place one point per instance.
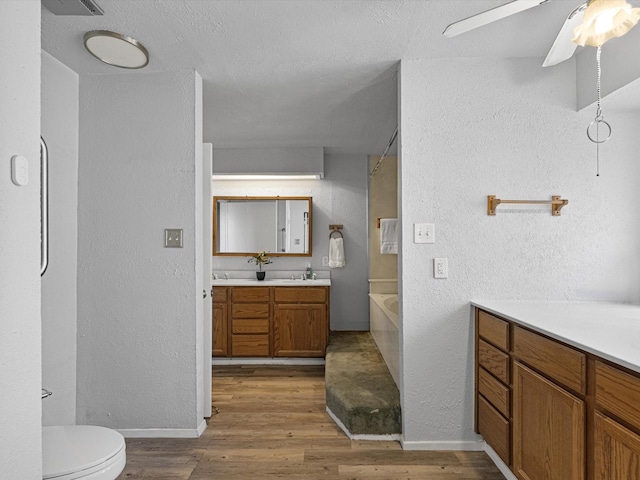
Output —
(272, 424)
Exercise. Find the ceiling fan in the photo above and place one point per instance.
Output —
(562, 49)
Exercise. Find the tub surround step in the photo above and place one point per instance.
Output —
(360, 391)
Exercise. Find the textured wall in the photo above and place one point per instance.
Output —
(470, 129)
(137, 301)
(20, 328)
(59, 285)
(340, 198)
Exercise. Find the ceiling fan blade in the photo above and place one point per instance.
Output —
(563, 48)
(490, 16)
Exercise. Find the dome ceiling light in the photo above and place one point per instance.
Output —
(116, 49)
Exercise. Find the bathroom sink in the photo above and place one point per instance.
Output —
(271, 282)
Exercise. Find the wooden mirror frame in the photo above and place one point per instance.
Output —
(246, 254)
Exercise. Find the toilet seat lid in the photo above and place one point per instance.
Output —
(73, 448)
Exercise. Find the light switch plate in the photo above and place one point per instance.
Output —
(424, 233)
(173, 238)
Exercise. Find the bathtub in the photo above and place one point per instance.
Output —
(383, 323)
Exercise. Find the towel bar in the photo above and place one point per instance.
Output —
(556, 203)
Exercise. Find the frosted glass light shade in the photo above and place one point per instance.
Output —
(116, 49)
(603, 20)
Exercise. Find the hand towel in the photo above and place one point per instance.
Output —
(336, 252)
(388, 235)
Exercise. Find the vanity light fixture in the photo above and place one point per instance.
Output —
(602, 21)
(292, 176)
(116, 49)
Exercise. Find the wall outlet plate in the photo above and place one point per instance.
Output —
(440, 268)
(173, 238)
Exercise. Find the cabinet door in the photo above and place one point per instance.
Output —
(617, 451)
(548, 429)
(300, 330)
(220, 322)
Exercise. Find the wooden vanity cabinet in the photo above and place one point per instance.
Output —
(220, 344)
(552, 411)
(300, 321)
(549, 421)
(617, 423)
(493, 378)
(250, 322)
(270, 321)
(548, 429)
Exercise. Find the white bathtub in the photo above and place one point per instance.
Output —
(383, 323)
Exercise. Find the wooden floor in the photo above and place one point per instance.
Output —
(272, 424)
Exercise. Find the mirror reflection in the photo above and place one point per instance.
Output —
(280, 226)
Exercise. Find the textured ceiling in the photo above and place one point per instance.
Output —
(300, 72)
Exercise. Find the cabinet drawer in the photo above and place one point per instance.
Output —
(493, 330)
(219, 294)
(250, 294)
(494, 428)
(250, 310)
(494, 391)
(250, 345)
(618, 392)
(494, 361)
(245, 325)
(300, 294)
(560, 362)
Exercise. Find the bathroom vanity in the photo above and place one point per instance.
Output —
(272, 318)
(557, 388)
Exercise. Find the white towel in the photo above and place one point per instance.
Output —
(388, 235)
(336, 252)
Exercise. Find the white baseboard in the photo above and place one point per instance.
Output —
(508, 474)
(460, 445)
(164, 432)
(267, 361)
(395, 437)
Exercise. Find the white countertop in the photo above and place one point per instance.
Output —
(270, 282)
(608, 330)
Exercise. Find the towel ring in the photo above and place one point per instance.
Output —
(335, 229)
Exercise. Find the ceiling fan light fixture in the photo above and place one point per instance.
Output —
(116, 49)
(603, 20)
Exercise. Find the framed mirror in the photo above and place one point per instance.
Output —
(280, 226)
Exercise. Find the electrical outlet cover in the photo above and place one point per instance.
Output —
(440, 268)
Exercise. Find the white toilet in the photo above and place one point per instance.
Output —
(82, 452)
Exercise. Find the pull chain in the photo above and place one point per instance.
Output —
(599, 110)
(599, 119)
(597, 158)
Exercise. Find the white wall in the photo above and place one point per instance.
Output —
(59, 123)
(139, 304)
(471, 128)
(20, 328)
(340, 198)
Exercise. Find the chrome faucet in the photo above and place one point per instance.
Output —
(226, 276)
(215, 276)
